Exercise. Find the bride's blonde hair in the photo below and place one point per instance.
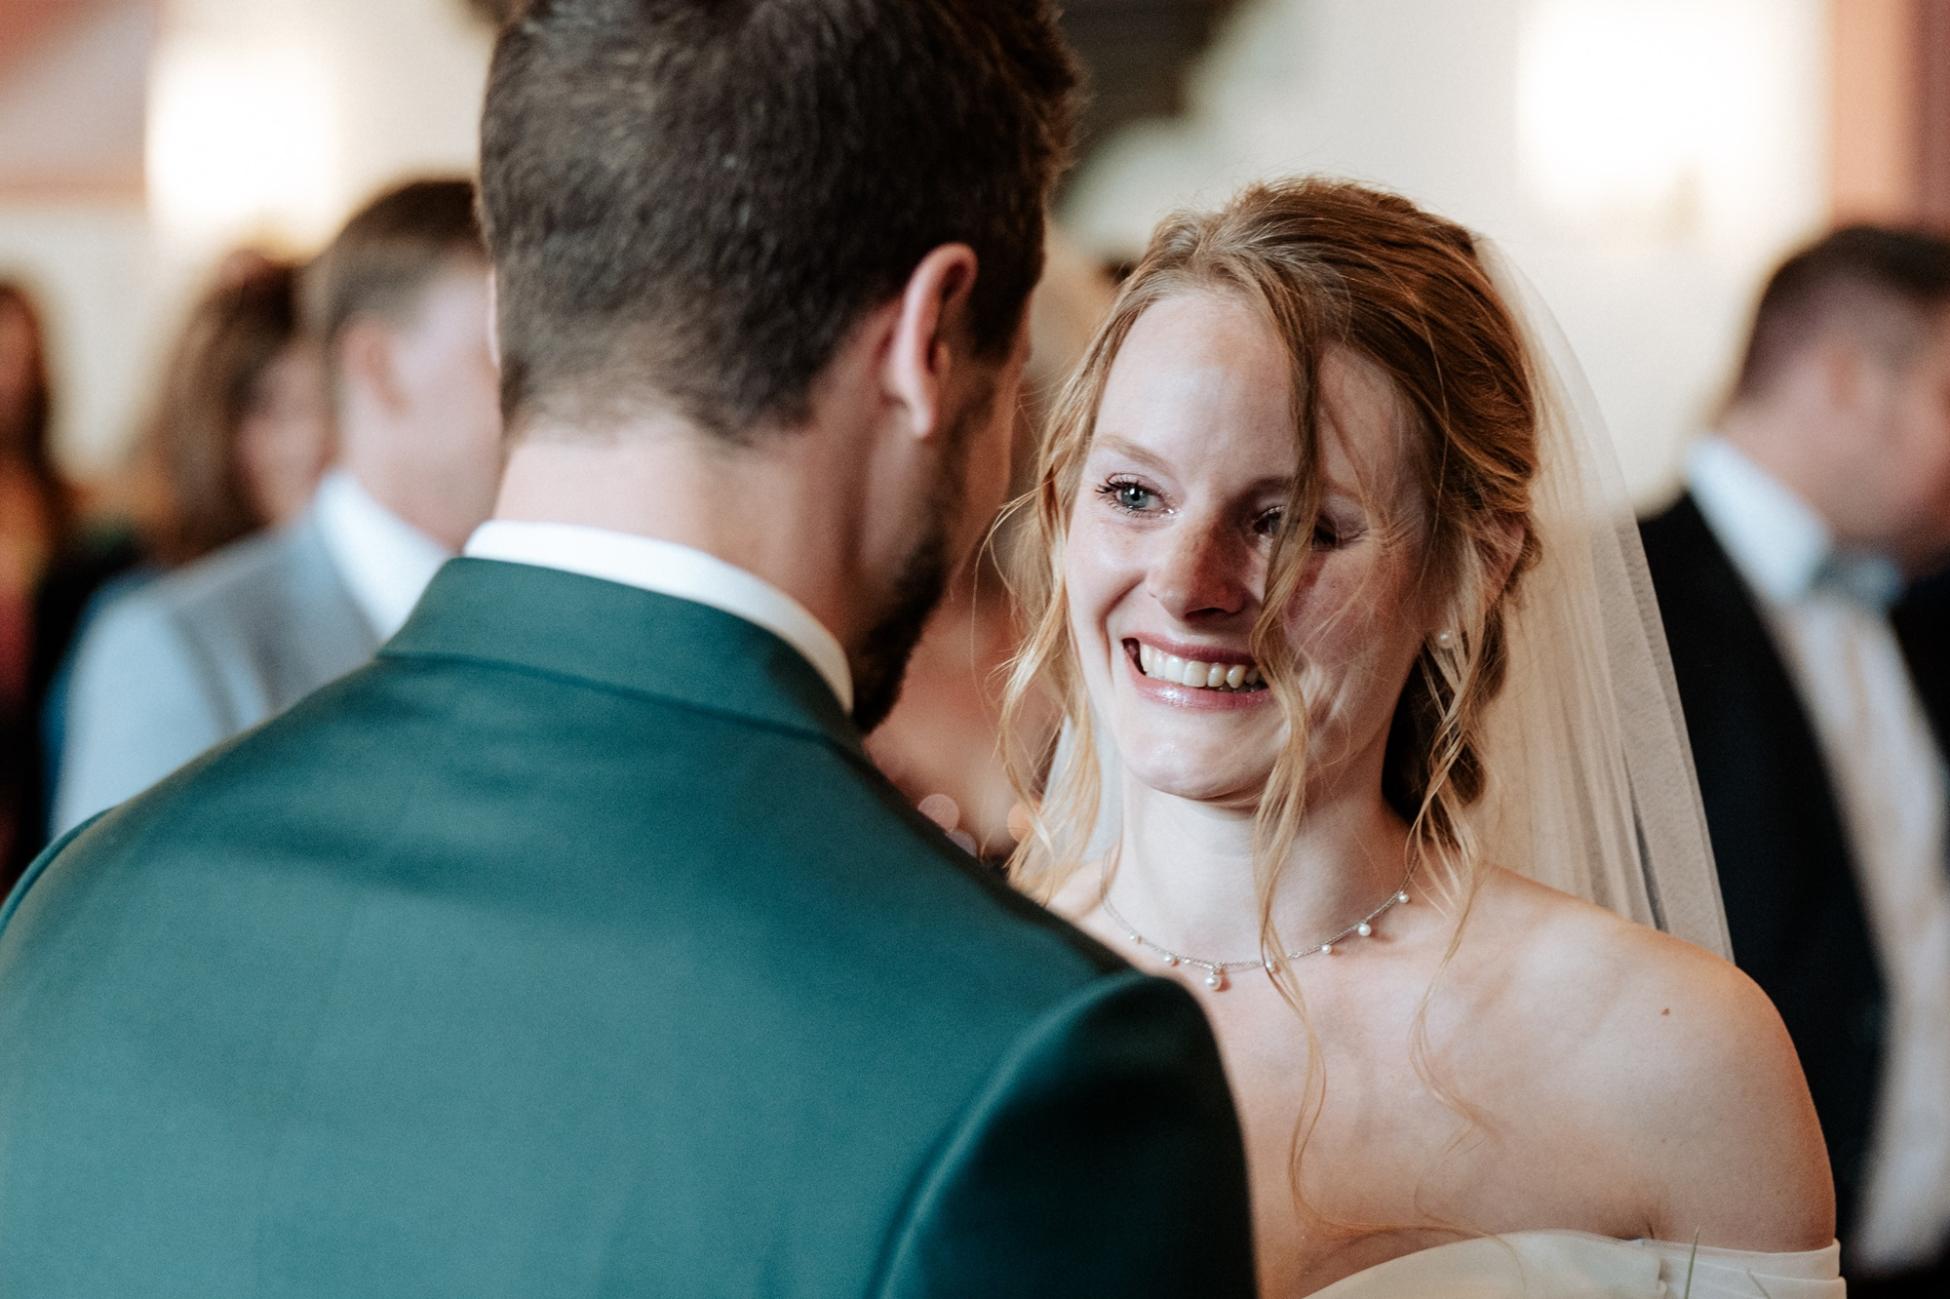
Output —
(1327, 265)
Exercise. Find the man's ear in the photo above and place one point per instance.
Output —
(1856, 378)
(930, 338)
(365, 360)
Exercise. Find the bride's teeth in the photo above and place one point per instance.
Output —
(1194, 673)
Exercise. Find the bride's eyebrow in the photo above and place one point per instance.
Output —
(1123, 446)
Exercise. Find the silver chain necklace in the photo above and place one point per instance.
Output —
(1217, 972)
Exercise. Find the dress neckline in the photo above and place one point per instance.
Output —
(1484, 1266)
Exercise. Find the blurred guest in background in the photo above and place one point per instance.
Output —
(33, 517)
(942, 744)
(1811, 651)
(398, 304)
(236, 439)
(240, 435)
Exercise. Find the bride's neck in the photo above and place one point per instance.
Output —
(1185, 880)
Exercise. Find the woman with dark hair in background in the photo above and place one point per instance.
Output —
(238, 436)
(33, 518)
(236, 439)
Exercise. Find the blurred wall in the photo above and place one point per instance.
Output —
(267, 121)
(1645, 161)
(1703, 126)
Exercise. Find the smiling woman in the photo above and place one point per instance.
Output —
(1177, 535)
(1308, 576)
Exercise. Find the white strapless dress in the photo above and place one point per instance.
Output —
(1578, 1265)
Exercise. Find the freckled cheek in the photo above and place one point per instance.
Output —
(1329, 620)
(1100, 568)
(1352, 624)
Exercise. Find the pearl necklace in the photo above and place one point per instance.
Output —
(1216, 972)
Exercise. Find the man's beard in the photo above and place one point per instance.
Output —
(881, 664)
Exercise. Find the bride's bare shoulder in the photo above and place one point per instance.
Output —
(1682, 1057)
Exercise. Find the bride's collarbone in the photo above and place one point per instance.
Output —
(1571, 1071)
(1498, 1101)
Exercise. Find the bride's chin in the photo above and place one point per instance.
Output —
(1232, 787)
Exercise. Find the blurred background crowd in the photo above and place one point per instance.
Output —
(246, 407)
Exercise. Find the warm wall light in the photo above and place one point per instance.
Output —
(240, 143)
(1602, 107)
(1631, 112)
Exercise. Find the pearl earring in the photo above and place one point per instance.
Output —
(1445, 639)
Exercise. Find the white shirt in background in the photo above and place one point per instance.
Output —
(384, 561)
(670, 569)
(1829, 615)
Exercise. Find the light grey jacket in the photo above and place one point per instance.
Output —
(180, 665)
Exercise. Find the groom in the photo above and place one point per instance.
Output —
(575, 947)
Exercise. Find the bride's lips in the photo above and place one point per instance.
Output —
(1174, 694)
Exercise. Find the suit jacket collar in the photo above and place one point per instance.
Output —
(674, 570)
(621, 638)
(1922, 624)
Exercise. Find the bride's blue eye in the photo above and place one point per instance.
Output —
(1127, 495)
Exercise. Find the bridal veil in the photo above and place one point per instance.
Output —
(1592, 784)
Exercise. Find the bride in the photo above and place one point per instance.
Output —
(1359, 691)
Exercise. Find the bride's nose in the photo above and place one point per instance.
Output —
(1200, 572)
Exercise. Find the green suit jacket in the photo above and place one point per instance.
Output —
(573, 948)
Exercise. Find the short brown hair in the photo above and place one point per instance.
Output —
(1883, 282)
(692, 201)
(388, 252)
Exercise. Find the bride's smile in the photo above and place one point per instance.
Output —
(1185, 489)
(1182, 673)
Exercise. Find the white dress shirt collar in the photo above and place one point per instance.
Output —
(674, 570)
(384, 561)
(1776, 540)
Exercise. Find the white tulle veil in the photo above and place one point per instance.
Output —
(1591, 785)
(1592, 788)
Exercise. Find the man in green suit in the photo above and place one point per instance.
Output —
(575, 947)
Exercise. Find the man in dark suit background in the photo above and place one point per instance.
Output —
(576, 947)
(1812, 649)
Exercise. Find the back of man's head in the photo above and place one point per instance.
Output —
(690, 203)
(399, 304)
(387, 254)
(1880, 286)
(1841, 396)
